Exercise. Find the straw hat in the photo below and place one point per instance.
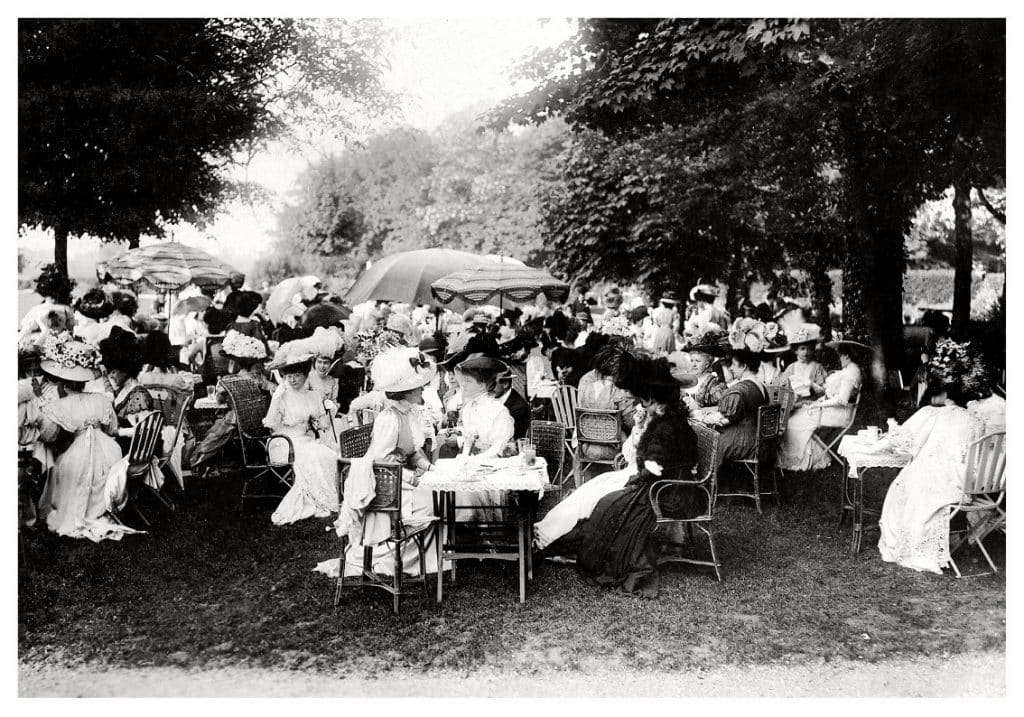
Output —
(805, 334)
(240, 347)
(401, 369)
(71, 360)
(708, 289)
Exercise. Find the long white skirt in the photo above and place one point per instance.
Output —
(578, 506)
(797, 452)
(315, 491)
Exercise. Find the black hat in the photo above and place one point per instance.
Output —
(121, 350)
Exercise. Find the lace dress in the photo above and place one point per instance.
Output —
(915, 519)
(315, 491)
(487, 430)
(74, 498)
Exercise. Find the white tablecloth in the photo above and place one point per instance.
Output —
(474, 475)
(865, 453)
(207, 403)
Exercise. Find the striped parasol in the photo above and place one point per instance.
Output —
(507, 281)
(168, 266)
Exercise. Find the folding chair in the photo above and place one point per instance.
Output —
(785, 397)
(141, 452)
(138, 400)
(764, 456)
(174, 404)
(549, 439)
(596, 427)
(563, 404)
(388, 500)
(707, 484)
(984, 490)
(830, 441)
(260, 448)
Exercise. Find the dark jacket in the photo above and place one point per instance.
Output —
(520, 411)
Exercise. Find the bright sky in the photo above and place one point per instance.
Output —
(442, 65)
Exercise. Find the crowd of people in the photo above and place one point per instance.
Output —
(438, 383)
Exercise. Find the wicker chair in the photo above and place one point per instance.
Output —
(768, 418)
(388, 500)
(138, 400)
(596, 427)
(549, 439)
(174, 403)
(141, 452)
(984, 490)
(355, 441)
(785, 397)
(250, 405)
(707, 484)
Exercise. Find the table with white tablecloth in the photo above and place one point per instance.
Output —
(861, 455)
(526, 485)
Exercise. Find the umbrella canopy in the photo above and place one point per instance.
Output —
(508, 282)
(326, 315)
(407, 276)
(168, 266)
(282, 295)
(192, 303)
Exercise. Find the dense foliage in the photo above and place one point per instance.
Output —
(407, 189)
(128, 126)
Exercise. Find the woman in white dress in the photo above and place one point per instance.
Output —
(797, 450)
(805, 375)
(915, 516)
(400, 374)
(79, 427)
(299, 414)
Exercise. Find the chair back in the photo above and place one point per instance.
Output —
(564, 402)
(894, 379)
(600, 426)
(249, 402)
(354, 442)
(769, 418)
(173, 403)
(387, 497)
(144, 439)
(707, 451)
(548, 437)
(137, 401)
(786, 398)
(215, 364)
(986, 465)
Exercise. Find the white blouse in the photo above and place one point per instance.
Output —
(486, 424)
(840, 386)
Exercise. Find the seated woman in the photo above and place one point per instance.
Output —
(400, 373)
(797, 452)
(805, 375)
(93, 307)
(613, 547)
(125, 308)
(597, 390)
(326, 343)
(122, 362)
(707, 391)
(564, 364)
(736, 417)
(78, 427)
(245, 358)
(299, 414)
(915, 519)
(244, 304)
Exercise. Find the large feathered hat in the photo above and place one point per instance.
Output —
(401, 369)
(69, 359)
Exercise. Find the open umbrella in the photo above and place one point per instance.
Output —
(282, 295)
(192, 303)
(407, 276)
(508, 282)
(325, 314)
(167, 266)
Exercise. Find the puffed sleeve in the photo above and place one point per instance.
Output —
(847, 385)
(275, 414)
(109, 420)
(731, 405)
(713, 392)
(48, 429)
(384, 438)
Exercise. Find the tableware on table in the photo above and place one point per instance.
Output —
(873, 433)
(211, 391)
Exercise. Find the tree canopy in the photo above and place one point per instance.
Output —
(128, 126)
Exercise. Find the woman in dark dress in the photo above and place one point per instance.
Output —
(736, 417)
(615, 547)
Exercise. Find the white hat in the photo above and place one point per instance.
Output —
(401, 369)
(69, 359)
(805, 334)
(709, 289)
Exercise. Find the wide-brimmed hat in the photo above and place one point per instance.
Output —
(804, 334)
(712, 341)
(612, 297)
(401, 369)
(429, 345)
(71, 360)
(777, 341)
(480, 362)
(121, 350)
(748, 334)
(680, 371)
(669, 297)
(855, 347)
(708, 289)
(481, 318)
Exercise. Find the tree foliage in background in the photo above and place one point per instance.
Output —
(407, 189)
(845, 124)
(128, 126)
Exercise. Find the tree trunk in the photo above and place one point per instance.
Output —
(964, 258)
(821, 296)
(60, 248)
(737, 290)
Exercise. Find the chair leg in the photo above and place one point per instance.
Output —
(714, 555)
(775, 485)
(757, 488)
(397, 583)
(984, 552)
(341, 572)
(423, 564)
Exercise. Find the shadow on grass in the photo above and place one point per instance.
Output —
(210, 587)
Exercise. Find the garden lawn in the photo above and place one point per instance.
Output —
(210, 588)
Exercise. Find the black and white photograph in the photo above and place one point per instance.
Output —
(617, 352)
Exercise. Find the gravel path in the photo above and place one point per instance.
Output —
(969, 675)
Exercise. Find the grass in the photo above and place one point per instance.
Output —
(208, 588)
